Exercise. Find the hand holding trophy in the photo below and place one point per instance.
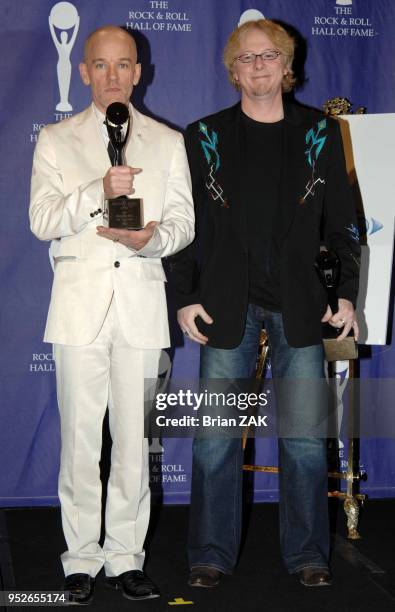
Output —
(327, 265)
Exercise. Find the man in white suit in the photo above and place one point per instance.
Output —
(107, 317)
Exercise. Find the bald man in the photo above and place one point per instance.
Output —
(107, 317)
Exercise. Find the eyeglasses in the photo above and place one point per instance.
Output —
(268, 55)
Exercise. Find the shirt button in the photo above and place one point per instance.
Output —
(116, 264)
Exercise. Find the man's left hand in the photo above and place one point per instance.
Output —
(132, 239)
(345, 317)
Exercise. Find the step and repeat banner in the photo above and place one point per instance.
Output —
(345, 48)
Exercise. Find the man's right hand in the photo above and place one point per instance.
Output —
(119, 181)
(186, 319)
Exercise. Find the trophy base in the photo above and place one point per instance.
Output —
(64, 107)
(125, 213)
(338, 351)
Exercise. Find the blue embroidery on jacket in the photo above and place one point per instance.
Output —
(209, 146)
(354, 232)
(211, 154)
(317, 141)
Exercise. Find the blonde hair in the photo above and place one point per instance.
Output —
(278, 36)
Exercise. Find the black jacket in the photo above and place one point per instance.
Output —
(213, 270)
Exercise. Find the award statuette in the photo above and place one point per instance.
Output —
(327, 265)
(341, 106)
(123, 212)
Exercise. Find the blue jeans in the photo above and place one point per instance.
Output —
(216, 501)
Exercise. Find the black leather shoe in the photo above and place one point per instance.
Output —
(315, 577)
(135, 585)
(206, 577)
(79, 588)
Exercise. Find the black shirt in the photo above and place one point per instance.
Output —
(260, 188)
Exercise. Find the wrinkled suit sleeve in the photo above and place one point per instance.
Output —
(54, 213)
(176, 229)
(184, 267)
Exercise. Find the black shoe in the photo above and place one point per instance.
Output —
(204, 576)
(79, 588)
(315, 577)
(135, 585)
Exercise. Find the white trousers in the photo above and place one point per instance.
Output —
(106, 372)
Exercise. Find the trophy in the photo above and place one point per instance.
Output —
(327, 265)
(64, 16)
(123, 212)
(341, 106)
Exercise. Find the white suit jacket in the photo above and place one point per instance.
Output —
(69, 164)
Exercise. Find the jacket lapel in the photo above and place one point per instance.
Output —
(137, 134)
(88, 131)
(295, 170)
(88, 136)
(229, 173)
(233, 145)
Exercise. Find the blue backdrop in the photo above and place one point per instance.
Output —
(349, 50)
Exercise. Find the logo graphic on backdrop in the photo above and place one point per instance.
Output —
(162, 472)
(164, 371)
(371, 226)
(64, 17)
(250, 15)
(342, 376)
(343, 22)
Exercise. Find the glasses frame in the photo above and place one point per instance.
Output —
(255, 55)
